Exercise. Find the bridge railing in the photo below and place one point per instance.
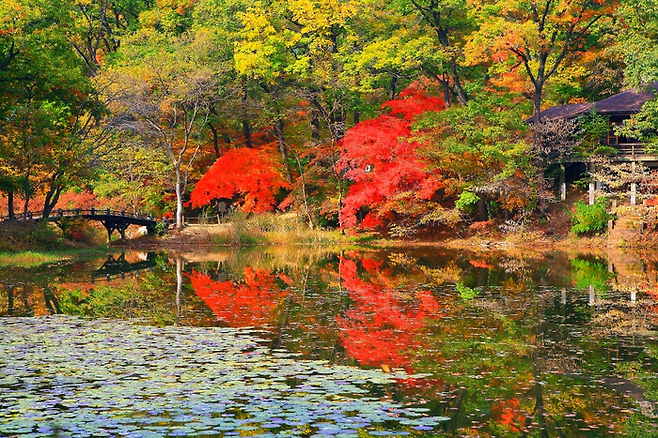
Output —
(59, 213)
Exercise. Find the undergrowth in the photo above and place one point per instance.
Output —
(268, 228)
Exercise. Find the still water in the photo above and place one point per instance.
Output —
(311, 342)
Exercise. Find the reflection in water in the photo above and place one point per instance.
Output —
(550, 344)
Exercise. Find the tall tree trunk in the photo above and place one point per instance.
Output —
(307, 209)
(392, 85)
(537, 99)
(179, 198)
(52, 196)
(454, 71)
(246, 130)
(10, 204)
(461, 94)
(315, 125)
(51, 201)
(281, 140)
(215, 139)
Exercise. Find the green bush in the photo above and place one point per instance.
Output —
(160, 228)
(590, 219)
(467, 202)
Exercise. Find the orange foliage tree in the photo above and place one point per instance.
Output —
(247, 173)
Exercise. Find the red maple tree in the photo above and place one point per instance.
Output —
(379, 156)
(247, 173)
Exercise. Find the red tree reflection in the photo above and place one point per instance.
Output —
(508, 413)
(382, 326)
(251, 302)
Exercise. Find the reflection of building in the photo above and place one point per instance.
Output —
(630, 271)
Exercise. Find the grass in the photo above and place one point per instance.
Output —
(276, 229)
(29, 259)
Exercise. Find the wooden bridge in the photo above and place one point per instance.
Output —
(112, 220)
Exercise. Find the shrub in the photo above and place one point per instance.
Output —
(590, 219)
(161, 228)
(467, 202)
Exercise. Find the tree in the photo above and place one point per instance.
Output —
(450, 21)
(637, 43)
(48, 106)
(168, 88)
(380, 157)
(481, 148)
(541, 36)
(99, 27)
(247, 173)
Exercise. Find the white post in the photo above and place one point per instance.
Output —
(633, 297)
(563, 192)
(592, 295)
(591, 193)
(564, 296)
(633, 193)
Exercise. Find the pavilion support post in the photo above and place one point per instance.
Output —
(592, 295)
(591, 193)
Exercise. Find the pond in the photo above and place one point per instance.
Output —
(315, 342)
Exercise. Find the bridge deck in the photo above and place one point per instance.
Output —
(111, 219)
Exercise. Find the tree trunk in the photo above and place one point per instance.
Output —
(461, 95)
(26, 193)
(179, 198)
(10, 204)
(278, 132)
(392, 85)
(52, 196)
(315, 125)
(246, 130)
(537, 98)
(215, 139)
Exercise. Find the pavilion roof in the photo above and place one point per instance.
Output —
(626, 102)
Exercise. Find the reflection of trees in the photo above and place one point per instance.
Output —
(382, 325)
(255, 301)
(296, 307)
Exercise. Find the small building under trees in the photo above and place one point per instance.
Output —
(616, 109)
(616, 139)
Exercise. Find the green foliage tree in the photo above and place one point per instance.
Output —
(167, 83)
(481, 147)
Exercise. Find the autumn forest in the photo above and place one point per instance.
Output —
(356, 114)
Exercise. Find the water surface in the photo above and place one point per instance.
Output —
(289, 341)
